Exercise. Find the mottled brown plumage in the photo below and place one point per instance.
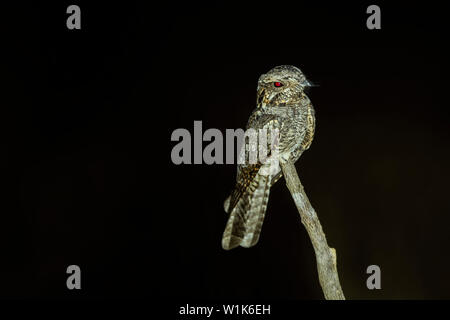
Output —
(282, 106)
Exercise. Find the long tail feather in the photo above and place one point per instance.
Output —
(256, 213)
(246, 218)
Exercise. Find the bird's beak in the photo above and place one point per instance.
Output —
(308, 83)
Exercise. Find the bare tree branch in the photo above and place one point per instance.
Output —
(325, 256)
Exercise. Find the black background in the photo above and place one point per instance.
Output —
(87, 177)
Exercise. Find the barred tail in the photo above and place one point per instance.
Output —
(246, 218)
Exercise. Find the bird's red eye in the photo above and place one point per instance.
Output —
(277, 84)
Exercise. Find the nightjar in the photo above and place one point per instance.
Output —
(282, 107)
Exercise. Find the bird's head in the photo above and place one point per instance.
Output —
(281, 86)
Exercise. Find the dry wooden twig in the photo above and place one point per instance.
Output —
(325, 256)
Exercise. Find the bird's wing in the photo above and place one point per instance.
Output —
(247, 172)
(310, 128)
(306, 138)
(248, 202)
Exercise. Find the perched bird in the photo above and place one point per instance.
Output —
(282, 106)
